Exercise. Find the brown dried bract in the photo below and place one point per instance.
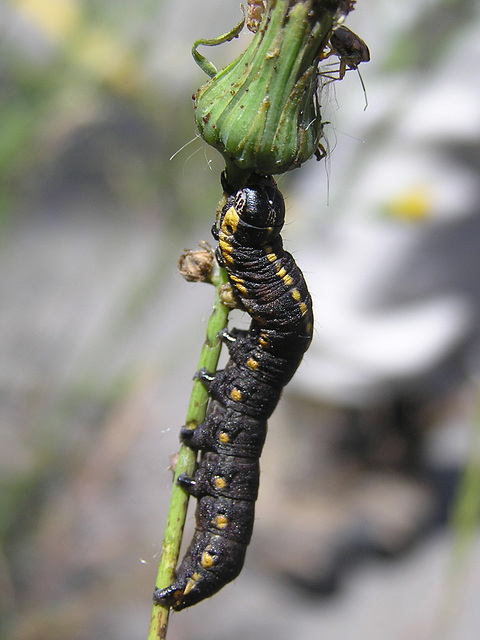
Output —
(255, 11)
(197, 266)
(173, 462)
(226, 295)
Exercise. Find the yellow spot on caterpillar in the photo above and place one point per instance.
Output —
(238, 283)
(303, 308)
(241, 289)
(230, 221)
(224, 437)
(308, 327)
(296, 295)
(263, 341)
(226, 249)
(191, 583)
(252, 364)
(225, 246)
(288, 280)
(271, 257)
(227, 258)
(221, 522)
(281, 272)
(235, 394)
(220, 482)
(207, 560)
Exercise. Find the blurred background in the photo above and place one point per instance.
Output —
(363, 529)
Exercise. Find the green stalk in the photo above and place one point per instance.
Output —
(466, 510)
(187, 460)
(464, 523)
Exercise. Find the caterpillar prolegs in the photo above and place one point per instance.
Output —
(266, 283)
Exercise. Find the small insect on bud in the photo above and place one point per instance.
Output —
(351, 49)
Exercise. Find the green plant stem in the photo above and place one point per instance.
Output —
(187, 460)
(466, 510)
(464, 523)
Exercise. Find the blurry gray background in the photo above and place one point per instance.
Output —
(99, 335)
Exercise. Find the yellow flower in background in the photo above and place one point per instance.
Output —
(107, 58)
(56, 18)
(91, 48)
(414, 204)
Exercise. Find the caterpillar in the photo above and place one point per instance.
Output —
(266, 283)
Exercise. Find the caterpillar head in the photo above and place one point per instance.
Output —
(254, 215)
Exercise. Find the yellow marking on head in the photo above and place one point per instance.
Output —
(230, 221)
(252, 364)
(235, 394)
(220, 483)
(207, 560)
(221, 522)
(288, 280)
(224, 437)
(303, 308)
(225, 246)
(296, 295)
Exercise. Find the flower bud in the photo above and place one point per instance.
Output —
(261, 112)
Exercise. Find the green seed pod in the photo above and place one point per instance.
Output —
(261, 112)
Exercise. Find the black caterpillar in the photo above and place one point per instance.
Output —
(268, 285)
